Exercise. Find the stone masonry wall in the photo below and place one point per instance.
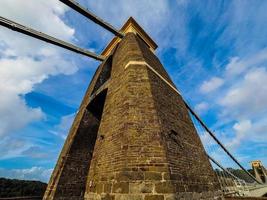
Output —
(73, 177)
(139, 157)
(61, 163)
(189, 169)
(146, 147)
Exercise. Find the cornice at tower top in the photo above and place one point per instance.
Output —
(131, 26)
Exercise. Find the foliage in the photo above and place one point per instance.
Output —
(15, 188)
(239, 173)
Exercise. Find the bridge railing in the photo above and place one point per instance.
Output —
(234, 179)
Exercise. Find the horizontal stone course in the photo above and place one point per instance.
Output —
(245, 198)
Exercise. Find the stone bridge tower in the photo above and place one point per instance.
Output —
(259, 170)
(133, 138)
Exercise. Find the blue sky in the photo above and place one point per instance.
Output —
(214, 51)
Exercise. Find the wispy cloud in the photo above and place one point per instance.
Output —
(202, 107)
(33, 173)
(62, 129)
(211, 85)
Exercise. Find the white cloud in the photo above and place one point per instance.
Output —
(246, 129)
(12, 147)
(237, 66)
(243, 100)
(242, 106)
(247, 97)
(37, 152)
(242, 130)
(211, 85)
(242, 126)
(259, 130)
(62, 129)
(121, 10)
(150, 14)
(34, 173)
(47, 20)
(207, 140)
(201, 107)
(25, 62)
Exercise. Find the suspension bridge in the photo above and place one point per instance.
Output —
(234, 179)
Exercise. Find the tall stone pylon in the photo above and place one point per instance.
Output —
(259, 170)
(133, 138)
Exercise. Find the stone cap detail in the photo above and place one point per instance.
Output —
(131, 26)
(256, 163)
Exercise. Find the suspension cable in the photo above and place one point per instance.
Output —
(47, 38)
(220, 166)
(85, 12)
(218, 142)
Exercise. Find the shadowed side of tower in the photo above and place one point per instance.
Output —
(133, 137)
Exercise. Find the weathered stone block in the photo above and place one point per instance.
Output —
(130, 175)
(99, 188)
(107, 197)
(107, 188)
(129, 197)
(154, 197)
(165, 187)
(121, 187)
(156, 176)
(141, 187)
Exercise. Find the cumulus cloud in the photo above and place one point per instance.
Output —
(241, 105)
(211, 85)
(237, 66)
(243, 100)
(48, 19)
(247, 97)
(26, 62)
(247, 130)
(18, 77)
(34, 173)
(242, 129)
